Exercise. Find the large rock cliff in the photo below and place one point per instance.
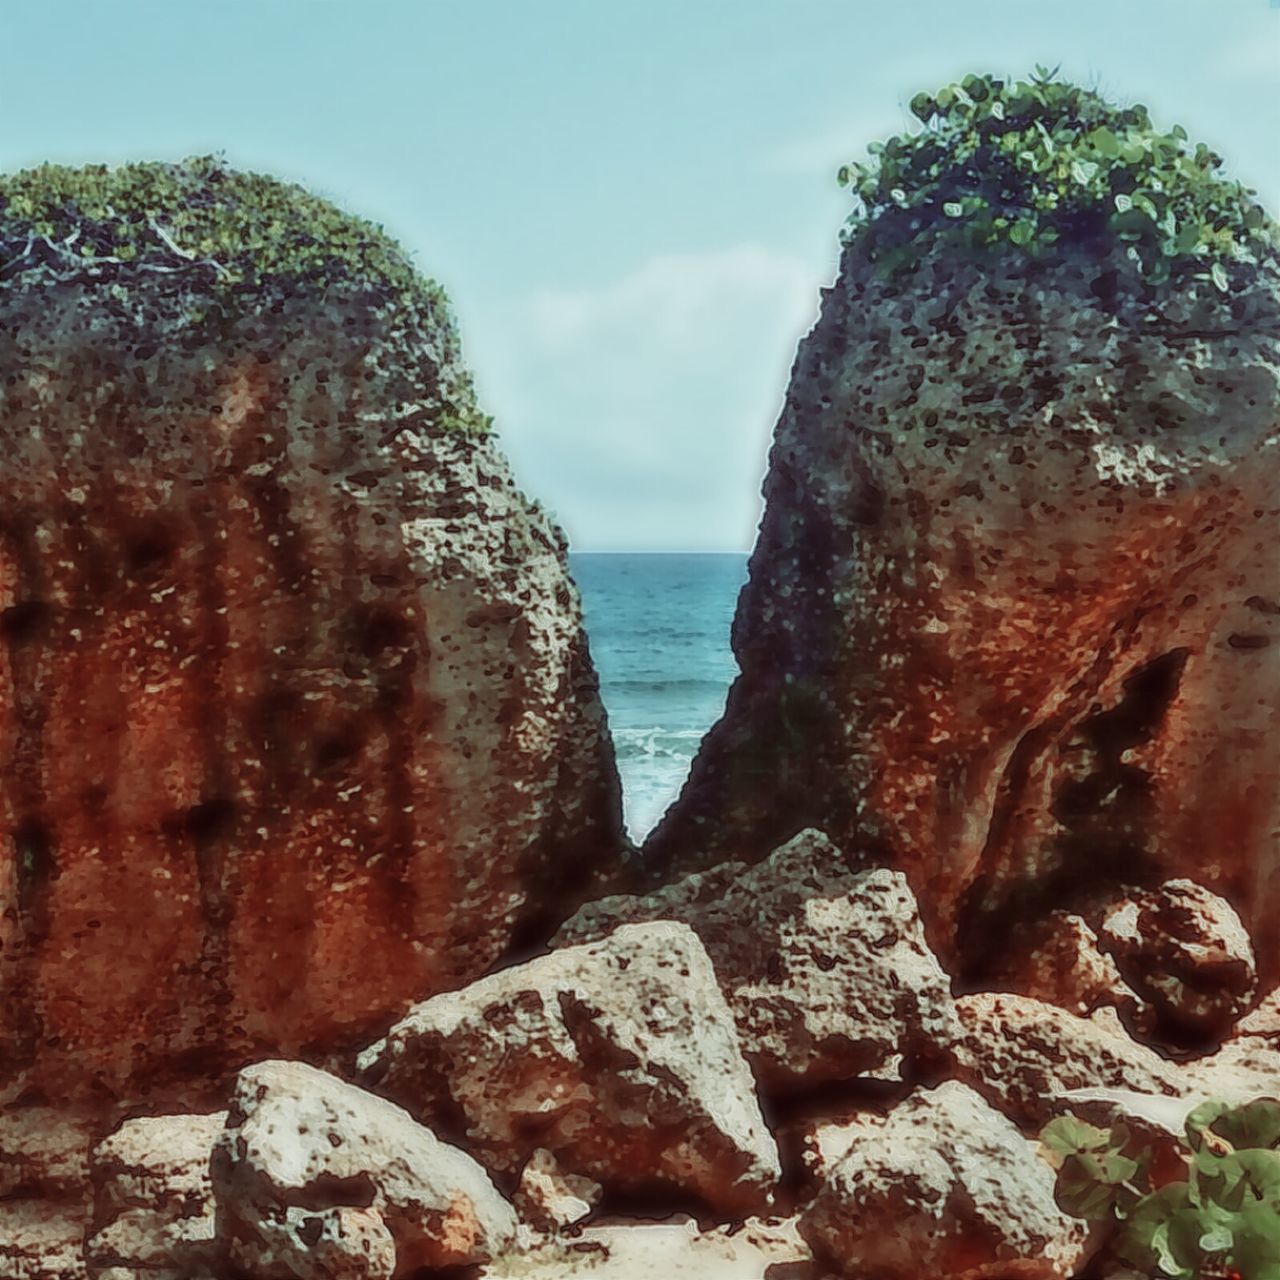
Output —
(1012, 618)
(297, 718)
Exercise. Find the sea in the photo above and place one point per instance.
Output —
(659, 631)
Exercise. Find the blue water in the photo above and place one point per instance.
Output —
(659, 631)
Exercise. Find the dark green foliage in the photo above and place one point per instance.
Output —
(1223, 1219)
(1042, 165)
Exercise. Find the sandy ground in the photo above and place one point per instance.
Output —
(762, 1249)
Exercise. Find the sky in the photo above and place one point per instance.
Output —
(631, 205)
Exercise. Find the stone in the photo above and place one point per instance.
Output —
(550, 1199)
(1013, 616)
(44, 1150)
(341, 1242)
(619, 1057)
(1263, 1021)
(825, 969)
(1184, 951)
(941, 1186)
(157, 1162)
(153, 1207)
(1023, 1054)
(297, 718)
(42, 1240)
(301, 1145)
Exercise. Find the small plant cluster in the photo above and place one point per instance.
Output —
(1216, 1218)
(242, 227)
(226, 244)
(1041, 165)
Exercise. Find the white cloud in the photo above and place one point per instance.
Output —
(640, 411)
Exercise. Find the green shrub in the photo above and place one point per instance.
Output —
(1042, 165)
(1221, 1220)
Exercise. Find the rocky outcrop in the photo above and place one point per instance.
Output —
(620, 1058)
(1012, 614)
(942, 1186)
(297, 719)
(313, 1175)
(825, 969)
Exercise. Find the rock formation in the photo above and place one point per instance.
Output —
(297, 719)
(1013, 618)
(962, 1187)
(619, 1057)
(825, 969)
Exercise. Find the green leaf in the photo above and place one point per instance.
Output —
(1104, 141)
(923, 107)
(1256, 1124)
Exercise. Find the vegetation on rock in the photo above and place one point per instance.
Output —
(1041, 165)
(230, 244)
(1222, 1219)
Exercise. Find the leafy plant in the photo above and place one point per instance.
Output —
(1040, 165)
(233, 244)
(1219, 1219)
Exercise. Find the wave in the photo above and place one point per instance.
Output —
(656, 743)
(681, 684)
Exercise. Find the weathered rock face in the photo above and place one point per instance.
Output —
(297, 720)
(825, 969)
(1011, 612)
(1185, 951)
(942, 1186)
(620, 1058)
(312, 1172)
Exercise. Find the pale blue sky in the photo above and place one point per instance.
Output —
(632, 205)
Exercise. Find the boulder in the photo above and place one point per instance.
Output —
(620, 1057)
(942, 1186)
(1022, 1055)
(154, 1208)
(302, 1152)
(1184, 951)
(297, 718)
(1013, 615)
(825, 968)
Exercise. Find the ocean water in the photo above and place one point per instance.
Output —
(659, 631)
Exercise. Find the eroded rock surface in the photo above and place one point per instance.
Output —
(1022, 1054)
(825, 969)
(942, 1186)
(297, 720)
(619, 1057)
(1184, 950)
(1012, 614)
(302, 1148)
(153, 1205)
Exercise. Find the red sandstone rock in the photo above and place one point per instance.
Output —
(1013, 612)
(297, 721)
